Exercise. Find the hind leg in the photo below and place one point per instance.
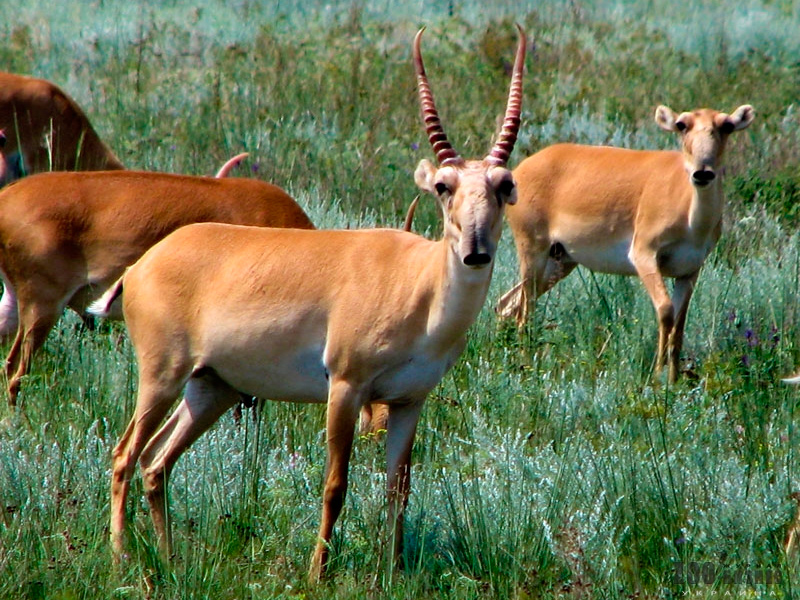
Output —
(207, 398)
(539, 271)
(374, 419)
(152, 404)
(34, 326)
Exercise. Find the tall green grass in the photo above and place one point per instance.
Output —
(552, 465)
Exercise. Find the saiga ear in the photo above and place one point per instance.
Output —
(665, 118)
(742, 117)
(424, 175)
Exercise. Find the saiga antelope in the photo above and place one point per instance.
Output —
(654, 214)
(5, 167)
(337, 317)
(47, 131)
(65, 237)
(42, 129)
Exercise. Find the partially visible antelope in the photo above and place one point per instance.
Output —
(654, 214)
(42, 129)
(65, 237)
(47, 131)
(337, 317)
(795, 379)
(5, 167)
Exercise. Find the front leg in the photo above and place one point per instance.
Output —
(344, 402)
(402, 427)
(646, 265)
(681, 294)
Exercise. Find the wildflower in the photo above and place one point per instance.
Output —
(293, 460)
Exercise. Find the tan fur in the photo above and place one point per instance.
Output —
(48, 130)
(344, 318)
(653, 214)
(65, 237)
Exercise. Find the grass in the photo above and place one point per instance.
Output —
(549, 466)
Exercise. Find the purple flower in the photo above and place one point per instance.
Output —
(293, 460)
(414, 146)
(254, 167)
(750, 336)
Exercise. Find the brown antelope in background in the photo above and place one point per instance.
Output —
(5, 167)
(654, 214)
(42, 129)
(46, 130)
(338, 317)
(65, 237)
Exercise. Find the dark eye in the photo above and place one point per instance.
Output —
(726, 127)
(680, 126)
(506, 187)
(441, 188)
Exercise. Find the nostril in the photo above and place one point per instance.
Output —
(477, 259)
(704, 176)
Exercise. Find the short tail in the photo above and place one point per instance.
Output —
(512, 304)
(102, 306)
(410, 215)
(229, 166)
(795, 379)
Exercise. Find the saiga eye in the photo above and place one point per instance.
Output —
(506, 187)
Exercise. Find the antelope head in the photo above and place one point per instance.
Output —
(472, 193)
(703, 135)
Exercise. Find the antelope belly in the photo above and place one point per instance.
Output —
(412, 380)
(296, 376)
(682, 259)
(605, 258)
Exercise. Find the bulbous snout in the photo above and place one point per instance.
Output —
(477, 251)
(703, 176)
(476, 260)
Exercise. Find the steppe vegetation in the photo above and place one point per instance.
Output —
(549, 466)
